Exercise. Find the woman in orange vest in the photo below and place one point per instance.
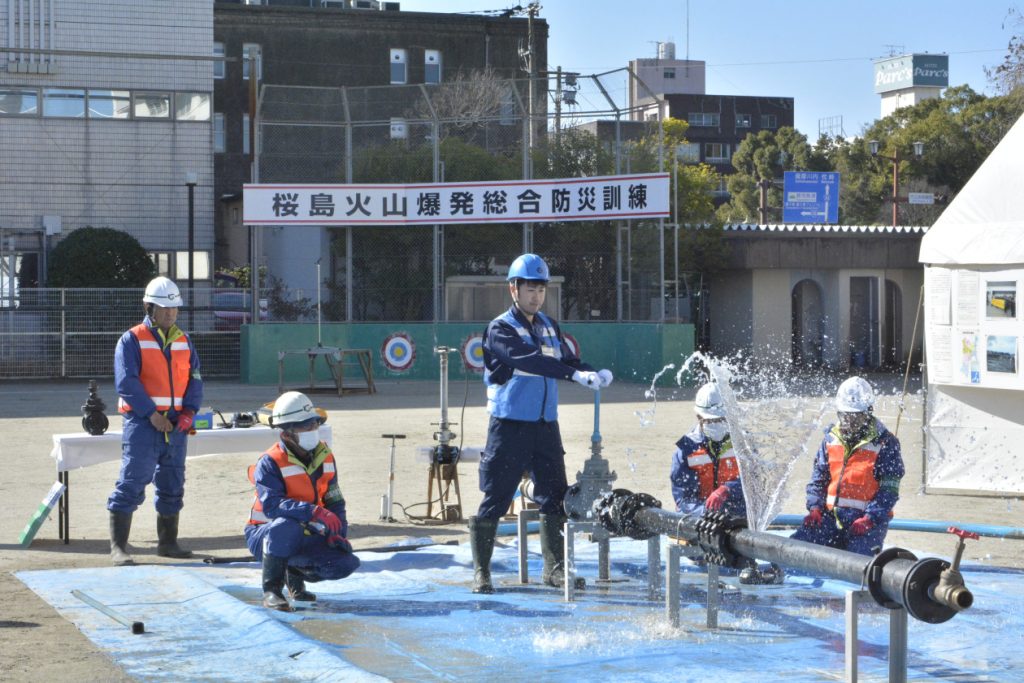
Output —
(856, 478)
(156, 374)
(297, 527)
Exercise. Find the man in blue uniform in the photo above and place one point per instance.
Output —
(855, 482)
(297, 527)
(524, 355)
(156, 374)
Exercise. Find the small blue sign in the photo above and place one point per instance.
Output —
(810, 197)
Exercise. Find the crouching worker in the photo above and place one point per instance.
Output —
(706, 473)
(297, 527)
(856, 477)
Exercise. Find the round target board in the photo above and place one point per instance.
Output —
(398, 352)
(571, 342)
(473, 352)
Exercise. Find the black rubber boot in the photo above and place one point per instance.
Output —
(274, 571)
(167, 537)
(120, 527)
(552, 546)
(481, 539)
(297, 586)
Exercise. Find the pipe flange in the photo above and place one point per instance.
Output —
(713, 530)
(873, 574)
(916, 599)
(629, 508)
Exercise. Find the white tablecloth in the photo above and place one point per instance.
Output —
(72, 451)
(467, 454)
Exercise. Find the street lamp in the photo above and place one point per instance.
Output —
(191, 180)
(895, 159)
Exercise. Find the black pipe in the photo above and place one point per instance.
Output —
(895, 577)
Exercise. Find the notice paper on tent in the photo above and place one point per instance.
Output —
(939, 290)
(968, 308)
(940, 350)
(41, 513)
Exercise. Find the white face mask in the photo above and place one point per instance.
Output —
(308, 440)
(715, 431)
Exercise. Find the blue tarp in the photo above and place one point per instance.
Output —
(410, 616)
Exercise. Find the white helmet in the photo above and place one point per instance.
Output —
(162, 292)
(708, 403)
(855, 395)
(293, 407)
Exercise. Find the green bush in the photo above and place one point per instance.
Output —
(99, 257)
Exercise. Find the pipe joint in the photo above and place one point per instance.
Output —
(713, 532)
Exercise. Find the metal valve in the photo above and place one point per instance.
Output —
(94, 421)
(950, 589)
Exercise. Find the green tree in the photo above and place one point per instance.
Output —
(763, 156)
(99, 257)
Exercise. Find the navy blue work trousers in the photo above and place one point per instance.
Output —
(514, 447)
(309, 553)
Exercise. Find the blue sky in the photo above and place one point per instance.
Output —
(820, 53)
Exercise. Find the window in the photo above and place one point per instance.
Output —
(64, 102)
(399, 74)
(152, 105)
(218, 133)
(245, 134)
(769, 121)
(507, 110)
(162, 261)
(110, 104)
(192, 106)
(688, 152)
(201, 260)
(246, 47)
(722, 190)
(218, 66)
(669, 73)
(743, 120)
(19, 102)
(703, 119)
(432, 66)
(716, 152)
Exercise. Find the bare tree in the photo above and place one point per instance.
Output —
(468, 99)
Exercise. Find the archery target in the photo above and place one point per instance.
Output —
(398, 352)
(473, 352)
(571, 342)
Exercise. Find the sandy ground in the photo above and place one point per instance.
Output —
(38, 644)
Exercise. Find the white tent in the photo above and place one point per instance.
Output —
(974, 333)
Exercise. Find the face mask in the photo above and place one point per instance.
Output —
(308, 440)
(715, 431)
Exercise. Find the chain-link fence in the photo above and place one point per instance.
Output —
(474, 128)
(67, 333)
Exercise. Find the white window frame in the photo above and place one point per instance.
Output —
(770, 121)
(398, 56)
(219, 66)
(432, 60)
(704, 119)
(744, 120)
(245, 61)
(722, 156)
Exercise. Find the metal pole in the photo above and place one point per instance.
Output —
(896, 189)
(191, 182)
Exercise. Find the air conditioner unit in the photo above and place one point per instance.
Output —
(399, 129)
(391, 6)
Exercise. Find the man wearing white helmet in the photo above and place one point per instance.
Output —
(156, 374)
(524, 356)
(855, 482)
(297, 526)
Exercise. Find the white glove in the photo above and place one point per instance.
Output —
(590, 380)
(606, 377)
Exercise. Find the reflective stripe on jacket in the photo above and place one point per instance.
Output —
(713, 472)
(853, 483)
(526, 396)
(165, 380)
(297, 480)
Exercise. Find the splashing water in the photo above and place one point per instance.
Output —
(647, 414)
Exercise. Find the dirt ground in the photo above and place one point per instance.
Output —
(38, 644)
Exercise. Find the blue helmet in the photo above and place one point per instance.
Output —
(529, 267)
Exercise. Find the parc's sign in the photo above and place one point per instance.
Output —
(515, 201)
(908, 71)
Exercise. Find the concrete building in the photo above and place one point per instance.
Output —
(718, 123)
(329, 46)
(105, 113)
(818, 295)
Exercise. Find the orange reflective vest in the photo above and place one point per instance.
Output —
(712, 473)
(165, 381)
(853, 483)
(298, 485)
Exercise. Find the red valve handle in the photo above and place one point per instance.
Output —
(963, 534)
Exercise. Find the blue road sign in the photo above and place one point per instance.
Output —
(810, 197)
